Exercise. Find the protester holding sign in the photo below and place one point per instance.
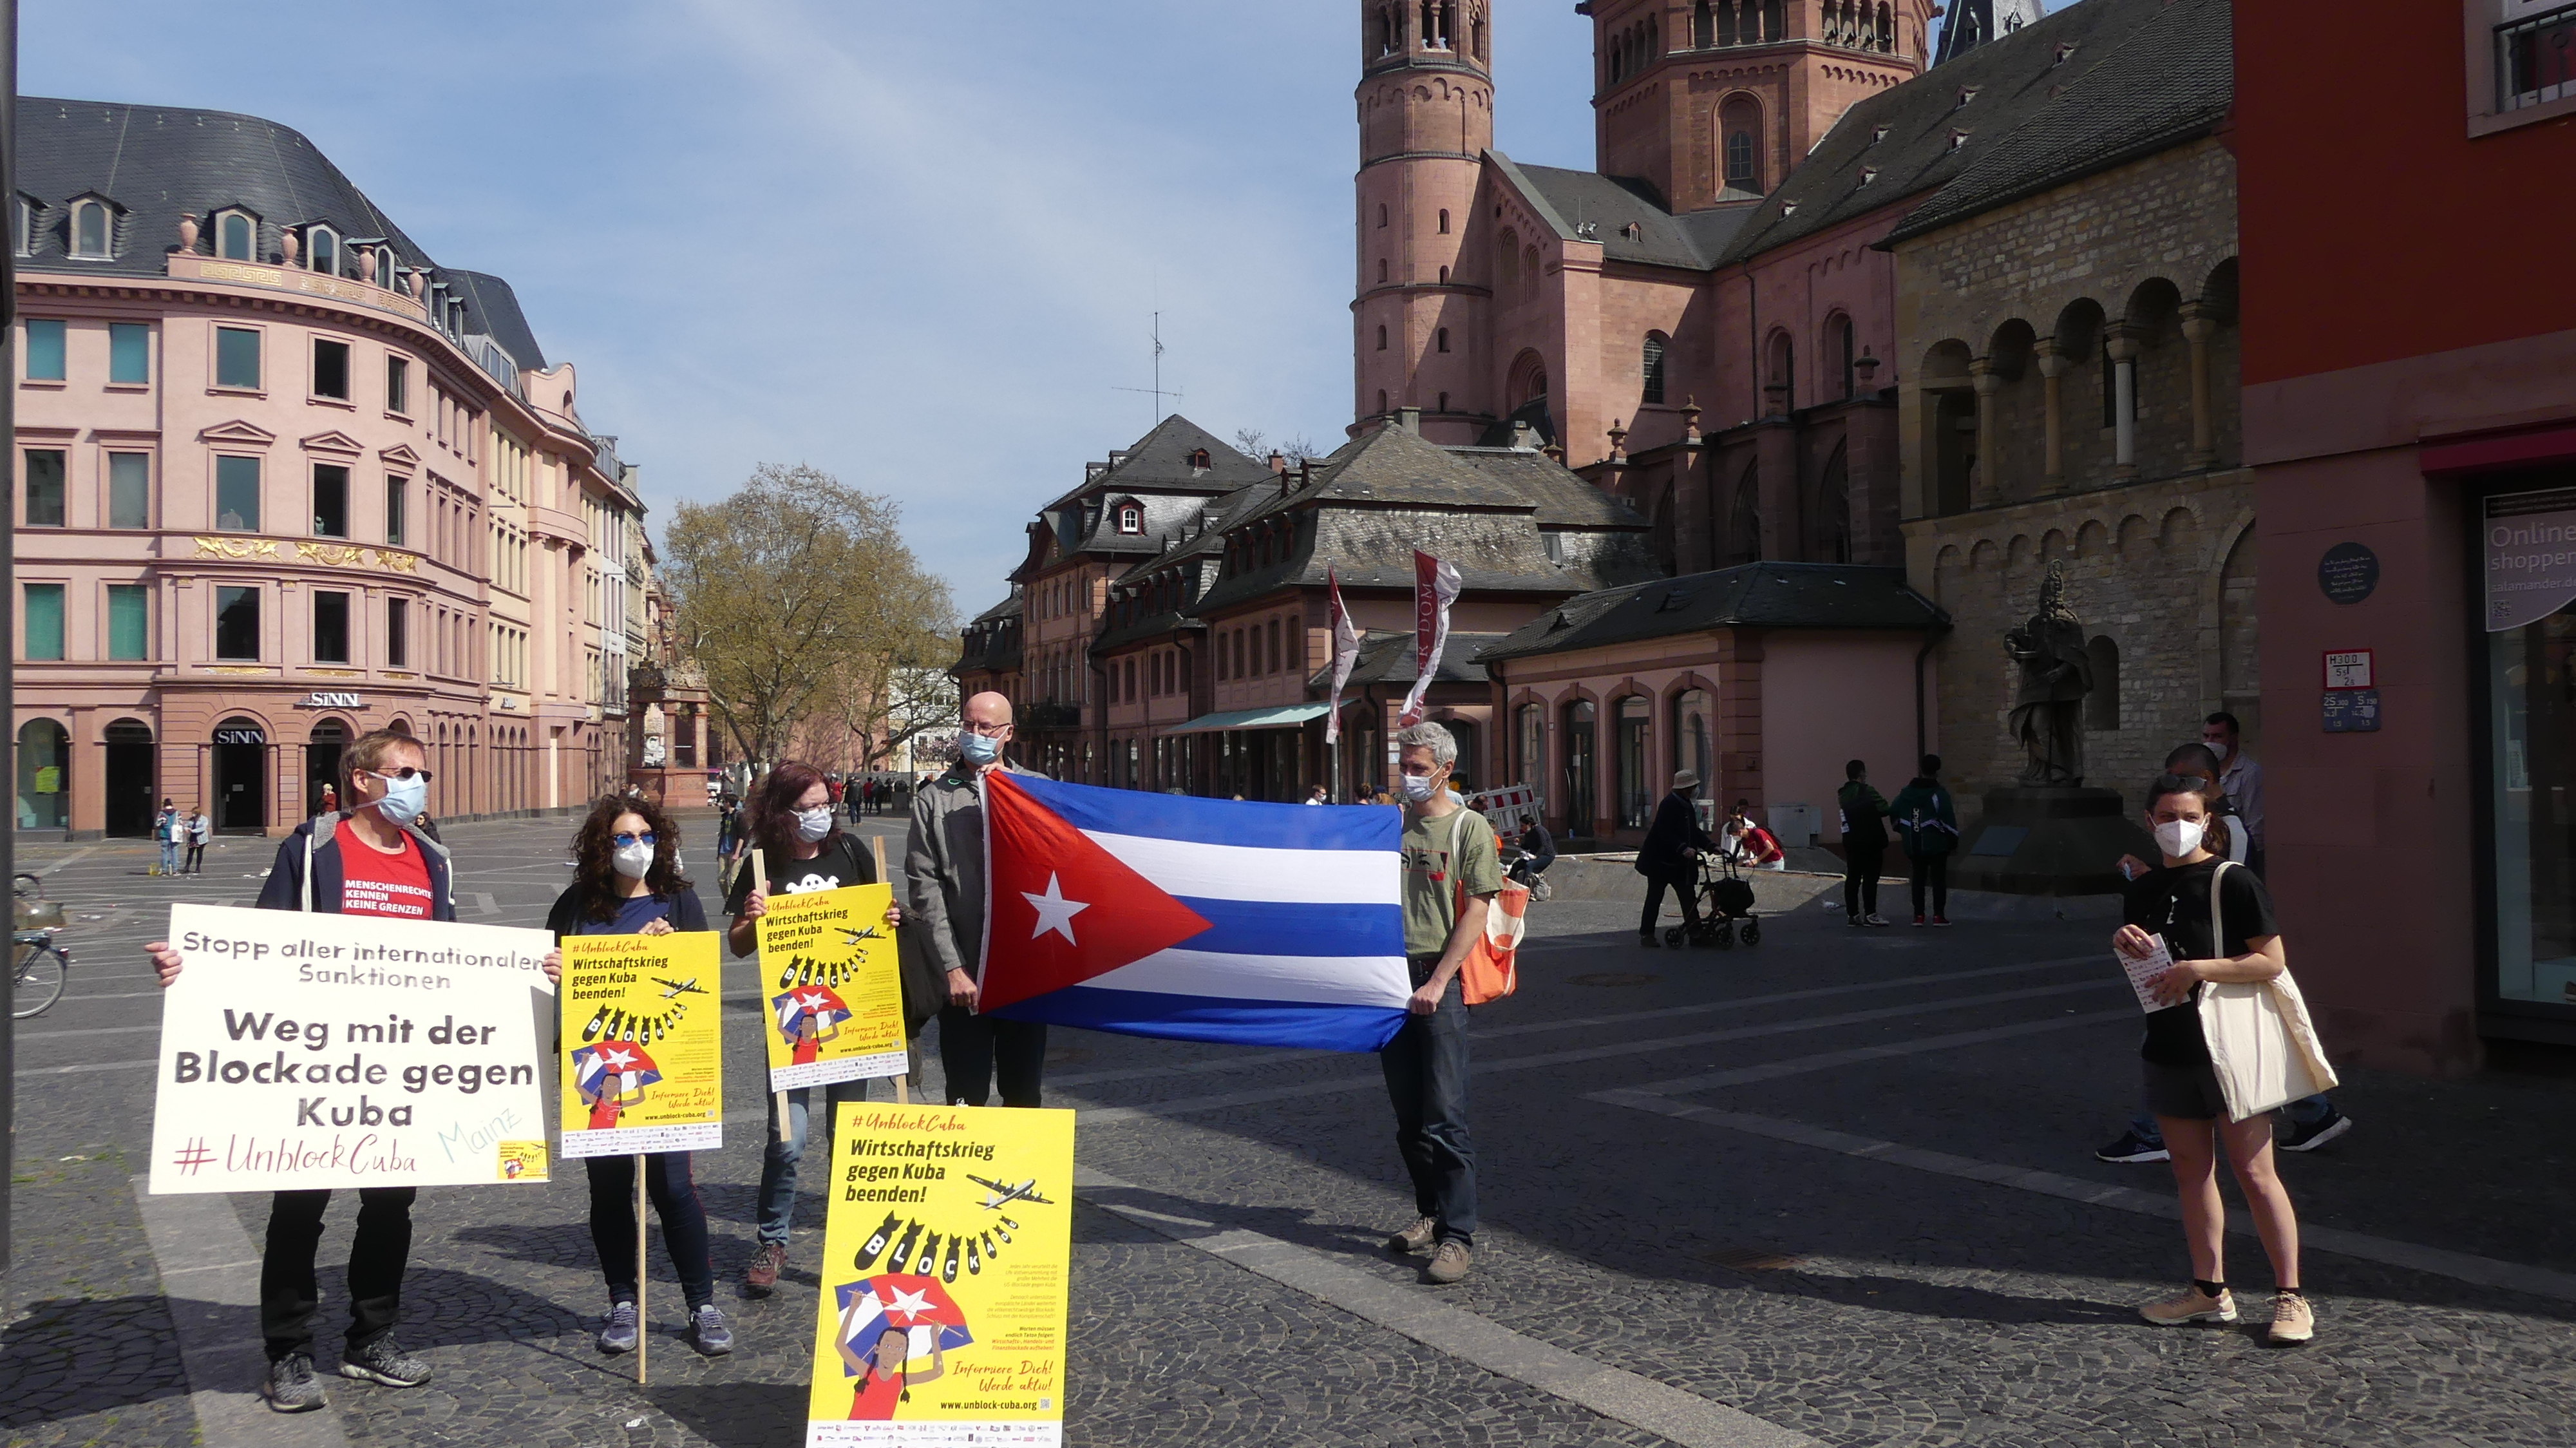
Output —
(789, 818)
(626, 881)
(363, 861)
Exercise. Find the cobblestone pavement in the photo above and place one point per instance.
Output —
(1856, 1294)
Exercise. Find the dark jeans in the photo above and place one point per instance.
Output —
(196, 859)
(1426, 1082)
(1682, 880)
(1861, 869)
(287, 1294)
(684, 1223)
(781, 1154)
(974, 1050)
(1933, 871)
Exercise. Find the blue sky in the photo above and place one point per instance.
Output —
(915, 245)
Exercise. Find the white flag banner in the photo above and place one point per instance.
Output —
(311, 1050)
(1435, 587)
(1346, 652)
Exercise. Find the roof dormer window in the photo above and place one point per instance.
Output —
(1958, 138)
(1131, 519)
(93, 231)
(1877, 134)
(2065, 52)
(236, 236)
(322, 250)
(1199, 461)
(1868, 174)
(22, 224)
(385, 264)
(1967, 93)
(1633, 232)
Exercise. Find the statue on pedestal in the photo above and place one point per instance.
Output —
(2056, 673)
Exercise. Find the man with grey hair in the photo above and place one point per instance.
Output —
(943, 865)
(1451, 875)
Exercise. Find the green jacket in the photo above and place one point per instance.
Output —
(1864, 812)
(1925, 824)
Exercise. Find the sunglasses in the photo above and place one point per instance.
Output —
(406, 772)
(623, 841)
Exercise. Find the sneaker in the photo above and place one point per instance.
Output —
(619, 1332)
(292, 1387)
(384, 1361)
(760, 1275)
(1918, 922)
(1647, 941)
(708, 1331)
(2191, 1306)
(2132, 1148)
(1940, 919)
(2314, 1134)
(2293, 1321)
(1448, 1263)
(1875, 920)
(1416, 1238)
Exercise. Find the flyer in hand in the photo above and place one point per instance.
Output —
(642, 1045)
(829, 984)
(2143, 971)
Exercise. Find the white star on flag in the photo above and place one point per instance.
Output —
(617, 1058)
(911, 1304)
(812, 1002)
(1054, 911)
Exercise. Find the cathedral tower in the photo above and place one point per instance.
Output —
(1426, 113)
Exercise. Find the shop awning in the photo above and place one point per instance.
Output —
(1287, 716)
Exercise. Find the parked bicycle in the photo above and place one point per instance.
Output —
(38, 966)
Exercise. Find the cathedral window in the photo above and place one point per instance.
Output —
(1508, 254)
(1444, 402)
(1476, 34)
(1726, 31)
(1381, 394)
(1381, 271)
(1703, 26)
(1886, 30)
(1444, 276)
(1444, 221)
(1653, 366)
(1443, 341)
(1381, 341)
(1772, 26)
(1740, 174)
(1381, 213)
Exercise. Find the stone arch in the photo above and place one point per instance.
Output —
(1779, 373)
(2008, 350)
(1947, 448)
(2151, 312)
(1828, 511)
(2239, 682)
(1742, 540)
(1507, 258)
(2054, 548)
(2218, 292)
(1947, 569)
(2178, 535)
(2092, 540)
(2134, 536)
(1740, 146)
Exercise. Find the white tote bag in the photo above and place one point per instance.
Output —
(2260, 1039)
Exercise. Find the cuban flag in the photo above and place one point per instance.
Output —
(593, 1065)
(918, 1306)
(1194, 919)
(820, 1002)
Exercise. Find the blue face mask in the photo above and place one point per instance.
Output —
(403, 798)
(979, 749)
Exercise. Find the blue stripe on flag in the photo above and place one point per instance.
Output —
(1260, 927)
(1211, 1018)
(1218, 821)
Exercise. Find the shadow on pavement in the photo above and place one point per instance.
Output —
(737, 1415)
(65, 1357)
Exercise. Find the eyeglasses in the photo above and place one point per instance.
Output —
(625, 841)
(989, 731)
(406, 772)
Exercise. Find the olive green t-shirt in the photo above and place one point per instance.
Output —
(1438, 855)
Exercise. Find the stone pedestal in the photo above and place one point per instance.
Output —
(2050, 840)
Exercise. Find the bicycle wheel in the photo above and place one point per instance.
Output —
(39, 982)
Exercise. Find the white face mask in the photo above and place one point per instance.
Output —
(813, 824)
(633, 860)
(2178, 838)
(1417, 788)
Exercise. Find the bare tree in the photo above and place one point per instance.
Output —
(1254, 443)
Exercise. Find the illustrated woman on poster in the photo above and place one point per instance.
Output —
(612, 1079)
(883, 1381)
(808, 1016)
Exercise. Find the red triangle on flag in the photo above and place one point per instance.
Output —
(1058, 909)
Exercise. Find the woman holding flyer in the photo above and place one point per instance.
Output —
(626, 881)
(2173, 908)
(790, 821)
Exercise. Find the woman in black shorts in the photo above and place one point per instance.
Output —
(2182, 1087)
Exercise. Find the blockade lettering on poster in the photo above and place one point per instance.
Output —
(642, 1044)
(942, 1315)
(307, 1050)
(829, 983)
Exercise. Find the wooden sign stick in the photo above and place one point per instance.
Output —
(760, 882)
(902, 1079)
(643, 1275)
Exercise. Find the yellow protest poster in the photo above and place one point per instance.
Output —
(643, 1044)
(835, 1001)
(942, 1318)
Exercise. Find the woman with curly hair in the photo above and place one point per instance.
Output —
(627, 881)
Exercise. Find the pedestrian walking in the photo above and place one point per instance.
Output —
(627, 881)
(790, 820)
(200, 829)
(364, 861)
(1452, 872)
(2241, 779)
(1669, 858)
(2216, 920)
(1864, 821)
(1927, 825)
(943, 866)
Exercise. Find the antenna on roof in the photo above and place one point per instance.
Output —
(1157, 389)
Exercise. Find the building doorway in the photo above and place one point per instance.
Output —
(44, 776)
(130, 788)
(241, 776)
(1581, 767)
(329, 740)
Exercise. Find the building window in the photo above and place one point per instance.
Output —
(129, 353)
(236, 237)
(397, 494)
(1199, 460)
(1739, 162)
(1381, 271)
(322, 250)
(237, 494)
(1842, 352)
(1444, 221)
(331, 369)
(1444, 340)
(330, 501)
(236, 357)
(91, 231)
(1131, 519)
(45, 487)
(129, 622)
(398, 385)
(1636, 794)
(44, 349)
(1654, 367)
(1444, 402)
(1381, 394)
(1381, 346)
(330, 628)
(237, 623)
(1381, 213)
(129, 490)
(22, 221)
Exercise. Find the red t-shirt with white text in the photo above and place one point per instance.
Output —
(375, 883)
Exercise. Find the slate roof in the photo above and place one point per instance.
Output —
(2170, 78)
(1751, 595)
(493, 309)
(1386, 657)
(1570, 200)
(2011, 77)
(1007, 608)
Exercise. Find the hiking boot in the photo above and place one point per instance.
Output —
(1416, 1238)
(760, 1275)
(1448, 1263)
(2191, 1306)
(2308, 1136)
(708, 1331)
(2293, 1321)
(292, 1387)
(384, 1361)
(2132, 1148)
(619, 1332)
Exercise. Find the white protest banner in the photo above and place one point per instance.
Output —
(348, 1051)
